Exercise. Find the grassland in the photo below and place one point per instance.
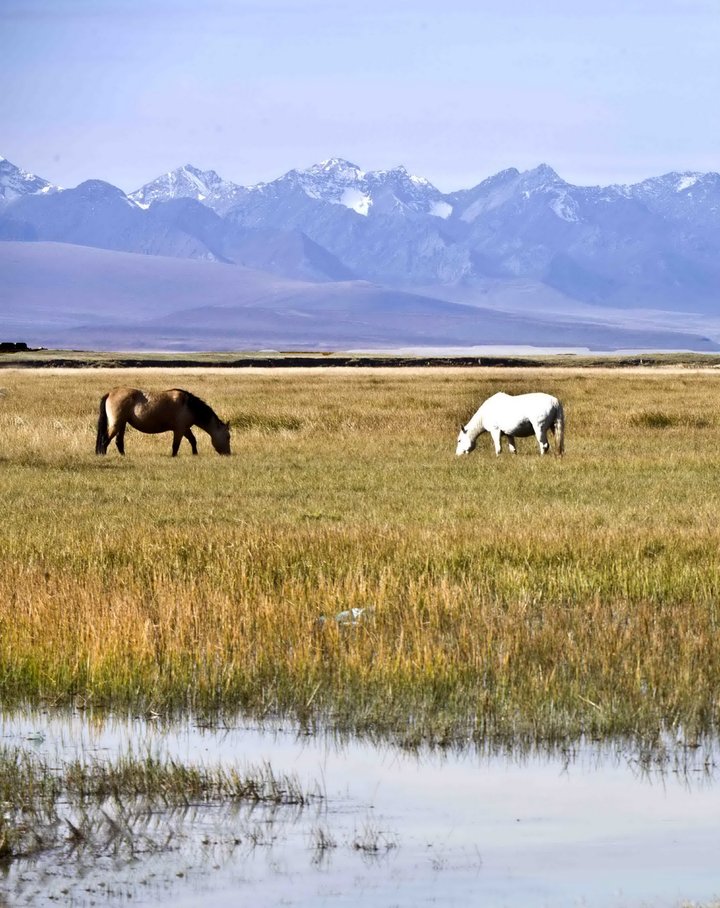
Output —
(513, 599)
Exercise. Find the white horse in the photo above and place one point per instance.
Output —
(518, 415)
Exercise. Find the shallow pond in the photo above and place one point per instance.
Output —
(592, 827)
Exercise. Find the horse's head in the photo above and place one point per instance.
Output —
(465, 444)
(220, 437)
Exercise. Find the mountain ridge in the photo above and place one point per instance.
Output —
(652, 245)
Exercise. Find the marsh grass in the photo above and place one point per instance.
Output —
(108, 806)
(512, 598)
(373, 841)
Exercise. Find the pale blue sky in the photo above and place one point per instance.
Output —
(123, 90)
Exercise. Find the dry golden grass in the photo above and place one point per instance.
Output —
(525, 597)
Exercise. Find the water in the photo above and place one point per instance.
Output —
(594, 827)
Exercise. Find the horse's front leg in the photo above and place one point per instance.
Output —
(495, 435)
(191, 438)
(511, 444)
(541, 435)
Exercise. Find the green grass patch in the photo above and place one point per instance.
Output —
(266, 422)
(654, 419)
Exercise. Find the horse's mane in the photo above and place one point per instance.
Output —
(202, 412)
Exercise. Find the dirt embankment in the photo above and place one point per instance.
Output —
(21, 357)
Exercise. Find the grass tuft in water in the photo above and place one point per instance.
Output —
(88, 803)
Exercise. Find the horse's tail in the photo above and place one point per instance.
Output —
(102, 442)
(560, 429)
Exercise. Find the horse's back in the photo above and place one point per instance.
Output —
(497, 398)
(532, 402)
(122, 393)
(517, 403)
(537, 405)
(517, 414)
(495, 404)
(536, 398)
(176, 395)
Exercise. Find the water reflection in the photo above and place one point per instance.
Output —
(590, 824)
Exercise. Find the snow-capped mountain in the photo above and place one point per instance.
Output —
(16, 183)
(689, 196)
(190, 182)
(98, 214)
(378, 223)
(517, 189)
(651, 245)
(604, 245)
(374, 192)
(336, 181)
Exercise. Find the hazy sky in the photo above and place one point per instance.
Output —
(123, 90)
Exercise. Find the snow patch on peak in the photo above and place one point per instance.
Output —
(686, 181)
(16, 183)
(400, 173)
(565, 207)
(337, 181)
(356, 200)
(441, 210)
(189, 182)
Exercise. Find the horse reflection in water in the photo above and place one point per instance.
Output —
(173, 411)
(518, 415)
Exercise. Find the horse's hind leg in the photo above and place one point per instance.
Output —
(120, 439)
(191, 438)
(116, 430)
(177, 438)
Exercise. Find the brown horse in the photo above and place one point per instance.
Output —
(165, 411)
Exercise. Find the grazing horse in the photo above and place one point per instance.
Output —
(163, 411)
(519, 415)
